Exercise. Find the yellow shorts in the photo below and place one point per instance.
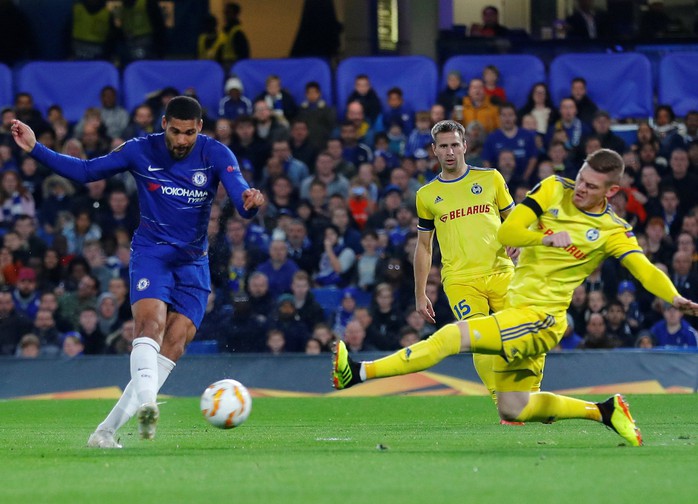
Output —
(479, 296)
(523, 336)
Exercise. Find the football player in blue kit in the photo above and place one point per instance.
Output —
(177, 173)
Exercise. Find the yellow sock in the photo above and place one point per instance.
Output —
(417, 357)
(483, 366)
(547, 407)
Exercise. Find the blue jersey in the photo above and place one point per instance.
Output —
(175, 196)
(523, 145)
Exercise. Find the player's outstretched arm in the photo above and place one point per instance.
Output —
(23, 135)
(656, 281)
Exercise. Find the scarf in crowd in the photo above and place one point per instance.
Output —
(12, 207)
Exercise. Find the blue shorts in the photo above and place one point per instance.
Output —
(182, 283)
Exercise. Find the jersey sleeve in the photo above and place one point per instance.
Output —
(622, 243)
(504, 200)
(547, 192)
(425, 216)
(81, 170)
(228, 170)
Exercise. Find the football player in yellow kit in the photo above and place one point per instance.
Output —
(465, 205)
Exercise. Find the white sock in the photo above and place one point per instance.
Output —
(144, 369)
(128, 403)
(362, 372)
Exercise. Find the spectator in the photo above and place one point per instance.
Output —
(355, 338)
(420, 136)
(107, 315)
(217, 321)
(617, 327)
(120, 212)
(674, 331)
(29, 347)
(80, 231)
(644, 340)
(279, 101)
(596, 336)
(509, 136)
(366, 95)
(248, 146)
(586, 108)
(287, 320)
(47, 332)
(570, 339)
(15, 200)
(478, 107)
(318, 115)
(353, 134)
(683, 179)
(260, 299)
(25, 295)
(654, 21)
(276, 342)
(142, 29)
(291, 167)
(236, 46)
(246, 330)
(235, 103)
(279, 269)
(308, 309)
(72, 345)
(142, 123)
(209, 45)
(313, 347)
(324, 173)
(114, 117)
(397, 112)
(336, 262)
(302, 147)
(601, 126)
(685, 280)
(386, 318)
(13, 325)
(71, 304)
(569, 129)
(490, 26)
(120, 342)
(452, 95)
(27, 113)
(269, 127)
(496, 93)
(586, 23)
(88, 327)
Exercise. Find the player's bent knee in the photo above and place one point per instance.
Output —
(511, 404)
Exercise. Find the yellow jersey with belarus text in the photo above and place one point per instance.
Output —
(466, 215)
(546, 276)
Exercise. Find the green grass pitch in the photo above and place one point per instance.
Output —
(348, 450)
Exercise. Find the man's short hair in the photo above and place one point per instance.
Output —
(184, 108)
(606, 161)
(445, 126)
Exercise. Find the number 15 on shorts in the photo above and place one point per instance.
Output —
(462, 309)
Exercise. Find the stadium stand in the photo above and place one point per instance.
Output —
(145, 77)
(75, 85)
(619, 83)
(5, 85)
(417, 76)
(678, 74)
(518, 73)
(294, 74)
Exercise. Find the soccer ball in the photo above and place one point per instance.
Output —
(226, 404)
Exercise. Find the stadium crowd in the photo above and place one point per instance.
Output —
(340, 218)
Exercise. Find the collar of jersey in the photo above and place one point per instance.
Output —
(608, 205)
(457, 179)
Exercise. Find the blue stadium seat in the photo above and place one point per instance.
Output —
(518, 72)
(678, 74)
(415, 75)
(6, 97)
(74, 85)
(619, 83)
(202, 347)
(142, 78)
(295, 73)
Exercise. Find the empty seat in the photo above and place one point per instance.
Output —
(74, 85)
(678, 74)
(142, 78)
(518, 72)
(621, 84)
(415, 75)
(295, 73)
